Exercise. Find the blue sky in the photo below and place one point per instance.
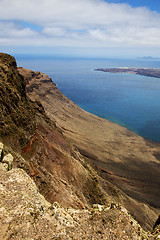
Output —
(89, 28)
(153, 5)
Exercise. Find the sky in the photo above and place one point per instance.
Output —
(81, 28)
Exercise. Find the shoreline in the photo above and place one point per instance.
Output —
(148, 72)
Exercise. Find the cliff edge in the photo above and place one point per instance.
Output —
(120, 157)
(90, 166)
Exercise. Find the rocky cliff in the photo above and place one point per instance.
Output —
(16, 112)
(120, 158)
(76, 159)
(56, 166)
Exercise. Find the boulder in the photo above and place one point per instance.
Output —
(3, 166)
(9, 160)
(1, 151)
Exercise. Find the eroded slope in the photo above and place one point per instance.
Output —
(39, 147)
(119, 156)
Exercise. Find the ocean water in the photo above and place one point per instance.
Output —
(132, 101)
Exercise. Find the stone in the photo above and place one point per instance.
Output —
(3, 166)
(98, 207)
(9, 160)
(1, 151)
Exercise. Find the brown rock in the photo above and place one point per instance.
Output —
(25, 214)
(8, 159)
(1, 151)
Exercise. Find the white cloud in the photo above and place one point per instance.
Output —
(85, 23)
(10, 29)
(54, 31)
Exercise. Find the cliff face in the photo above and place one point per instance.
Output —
(17, 116)
(74, 158)
(40, 147)
(120, 157)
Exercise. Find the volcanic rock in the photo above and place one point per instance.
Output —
(126, 163)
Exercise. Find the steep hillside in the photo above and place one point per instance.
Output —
(119, 156)
(17, 116)
(40, 148)
(75, 159)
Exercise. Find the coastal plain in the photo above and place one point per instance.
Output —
(150, 72)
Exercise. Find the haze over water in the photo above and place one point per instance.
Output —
(130, 100)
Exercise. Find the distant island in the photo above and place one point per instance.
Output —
(149, 72)
(148, 58)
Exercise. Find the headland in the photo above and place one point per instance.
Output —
(149, 72)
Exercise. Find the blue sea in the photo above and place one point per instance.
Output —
(132, 101)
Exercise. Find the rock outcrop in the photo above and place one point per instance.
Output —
(25, 214)
(6, 162)
(8, 159)
(17, 117)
